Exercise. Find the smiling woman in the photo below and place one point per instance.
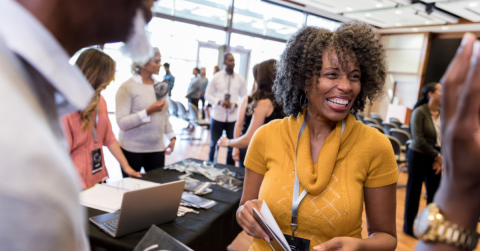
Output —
(336, 162)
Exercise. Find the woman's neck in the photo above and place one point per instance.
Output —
(319, 125)
(146, 77)
(433, 105)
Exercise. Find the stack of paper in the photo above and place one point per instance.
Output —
(108, 197)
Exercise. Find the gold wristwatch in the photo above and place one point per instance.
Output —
(430, 226)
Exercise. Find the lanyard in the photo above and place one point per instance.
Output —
(94, 127)
(296, 198)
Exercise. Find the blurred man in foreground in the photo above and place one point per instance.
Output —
(39, 207)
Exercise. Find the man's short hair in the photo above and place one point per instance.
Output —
(197, 69)
(226, 55)
(166, 65)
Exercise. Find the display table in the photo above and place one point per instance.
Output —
(212, 229)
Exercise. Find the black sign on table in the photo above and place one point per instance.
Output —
(212, 229)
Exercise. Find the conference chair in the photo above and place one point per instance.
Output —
(172, 107)
(181, 111)
(194, 120)
(359, 117)
(387, 126)
(396, 122)
(402, 136)
(401, 160)
(367, 121)
(379, 128)
(406, 128)
(376, 117)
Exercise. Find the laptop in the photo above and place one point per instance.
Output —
(142, 208)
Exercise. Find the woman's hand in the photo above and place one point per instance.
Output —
(248, 223)
(132, 173)
(236, 154)
(156, 107)
(222, 142)
(340, 244)
(438, 164)
(170, 147)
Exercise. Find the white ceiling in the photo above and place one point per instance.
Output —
(435, 29)
(336, 6)
(409, 15)
(467, 9)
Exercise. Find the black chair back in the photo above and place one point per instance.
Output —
(401, 135)
(379, 128)
(192, 111)
(395, 144)
(370, 121)
(396, 122)
(182, 112)
(172, 107)
(359, 117)
(406, 128)
(388, 126)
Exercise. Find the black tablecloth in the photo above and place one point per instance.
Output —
(212, 229)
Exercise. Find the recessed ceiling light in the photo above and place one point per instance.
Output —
(398, 24)
(414, 29)
(349, 9)
(473, 4)
(368, 15)
(379, 5)
(398, 12)
(445, 28)
(428, 22)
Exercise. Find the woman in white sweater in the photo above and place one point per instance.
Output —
(142, 115)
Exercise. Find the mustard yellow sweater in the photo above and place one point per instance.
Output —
(363, 157)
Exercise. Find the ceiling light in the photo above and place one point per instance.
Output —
(398, 24)
(473, 5)
(445, 28)
(379, 5)
(414, 29)
(349, 9)
(368, 15)
(398, 12)
(428, 22)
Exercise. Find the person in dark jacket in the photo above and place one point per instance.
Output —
(424, 156)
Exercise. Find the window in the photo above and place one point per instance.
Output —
(261, 50)
(207, 11)
(320, 22)
(266, 19)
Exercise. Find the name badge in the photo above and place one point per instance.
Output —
(297, 244)
(96, 161)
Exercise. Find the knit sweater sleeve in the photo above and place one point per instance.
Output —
(255, 158)
(125, 119)
(383, 170)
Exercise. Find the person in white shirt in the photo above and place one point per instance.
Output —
(225, 92)
(39, 207)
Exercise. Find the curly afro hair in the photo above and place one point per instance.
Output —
(302, 59)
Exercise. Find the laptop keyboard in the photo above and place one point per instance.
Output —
(111, 225)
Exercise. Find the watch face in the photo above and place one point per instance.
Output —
(422, 222)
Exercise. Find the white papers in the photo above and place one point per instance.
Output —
(108, 197)
(102, 197)
(270, 220)
(131, 184)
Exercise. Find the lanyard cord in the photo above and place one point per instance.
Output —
(296, 198)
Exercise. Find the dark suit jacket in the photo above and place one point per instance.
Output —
(423, 131)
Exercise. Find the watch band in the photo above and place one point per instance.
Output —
(456, 235)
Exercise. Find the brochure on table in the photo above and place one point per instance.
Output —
(108, 197)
